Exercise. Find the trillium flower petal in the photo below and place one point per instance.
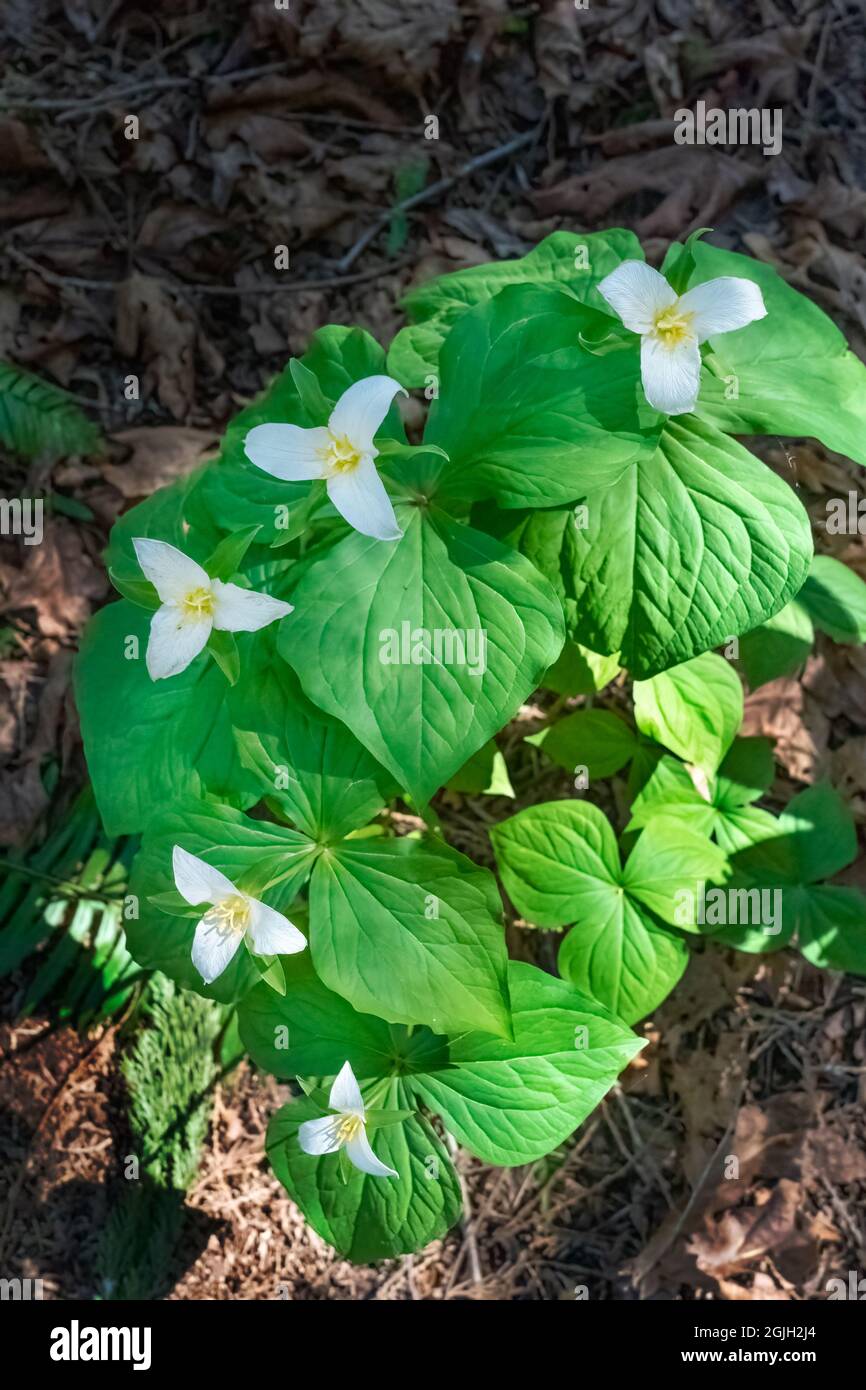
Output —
(243, 610)
(320, 1136)
(271, 933)
(637, 293)
(362, 1156)
(346, 1093)
(175, 640)
(213, 948)
(171, 573)
(197, 881)
(361, 409)
(359, 495)
(288, 451)
(671, 376)
(720, 306)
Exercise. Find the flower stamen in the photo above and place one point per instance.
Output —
(198, 603)
(232, 914)
(672, 327)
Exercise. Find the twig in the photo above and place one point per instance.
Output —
(480, 161)
(466, 1224)
(51, 277)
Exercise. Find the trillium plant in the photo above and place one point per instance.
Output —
(331, 622)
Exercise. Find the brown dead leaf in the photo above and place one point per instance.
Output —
(159, 455)
(401, 37)
(696, 185)
(160, 328)
(783, 711)
(57, 581)
(170, 227)
(23, 799)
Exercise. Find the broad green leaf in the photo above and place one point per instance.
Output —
(671, 859)
(485, 772)
(695, 709)
(831, 929)
(790, 373)
(745, 774)
(779, 646)
(225, 561)
(308, 762)
(813, 839)
(578, 671)
(527, 414)
(425, 647)
(565, 260)
(594, 739)
(311, 1031)
(696, 544)
(368, 1218)
(149, 742)
(835, 599)
(162, 517)
(557, 861)
(507, 1101)
(232, 493)
(560, 864)
(511, 1102)
(223, 648)
(719, 806)
(410, 930)
(270, 862)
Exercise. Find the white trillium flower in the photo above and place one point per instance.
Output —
(672, 326)
(341, 452)
(192, 605)
(232, 915)
(345, 1129)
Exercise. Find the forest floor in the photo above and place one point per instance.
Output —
(259, 127)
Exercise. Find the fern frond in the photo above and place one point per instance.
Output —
(38, 418)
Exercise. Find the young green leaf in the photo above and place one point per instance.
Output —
(592, 738)
(780, 646)
(695, 709)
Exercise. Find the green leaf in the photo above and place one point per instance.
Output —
(371, 620)
(566, 260)
(312, 1031)
(668, 860)
(226, 560)
(695, 709)
(835, 599)
(578, 671)
(270, 862)
(306, 761)
(410, 931)
(813, 839)
(37, 418)
(789, 373)
(594, 739)
(507, 1101)
(831, 929)
(223, 648)
(232, 493)
(526, 413)
(511, 1102)
(149, 742)
(560, 864)
(367, 1218)
(745, 774)
(694, 545)
(779, 646)
(484, 773)
(313, 400)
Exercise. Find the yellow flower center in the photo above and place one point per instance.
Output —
(349, 1128)
(341, 455)
(671, 326)
(198, 603)
(232, 914)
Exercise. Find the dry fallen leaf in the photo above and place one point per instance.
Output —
(159, 454)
